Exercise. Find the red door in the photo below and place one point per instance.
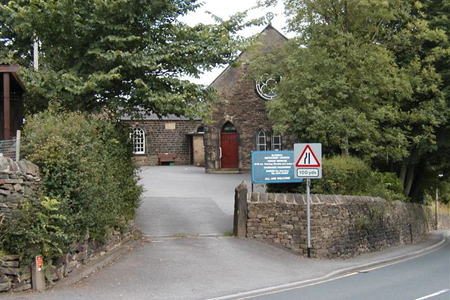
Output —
(229, 144)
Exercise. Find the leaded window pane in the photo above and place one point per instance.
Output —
(138, 138)
(261, 144)
(276, 142)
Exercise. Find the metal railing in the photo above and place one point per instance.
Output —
(11, 148)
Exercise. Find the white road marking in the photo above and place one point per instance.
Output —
(330, 277)
(298, 288)
(433, 295)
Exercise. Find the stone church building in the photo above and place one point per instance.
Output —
(239, 124)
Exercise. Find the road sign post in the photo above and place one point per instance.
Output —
(308, 157)
(308, 215)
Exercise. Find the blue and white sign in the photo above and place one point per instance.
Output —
(273, 167)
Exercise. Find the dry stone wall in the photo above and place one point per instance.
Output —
(84, 252)
(341, 226)
(443, 221)
(19, 182)
(13, 276)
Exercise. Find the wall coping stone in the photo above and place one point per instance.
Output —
(317, 199)
(9, 166)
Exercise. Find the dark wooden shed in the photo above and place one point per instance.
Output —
(11, 108)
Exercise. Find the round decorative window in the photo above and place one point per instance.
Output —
(266, 87)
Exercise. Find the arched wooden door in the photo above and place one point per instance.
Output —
(229, 143)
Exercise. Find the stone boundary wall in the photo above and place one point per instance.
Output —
(341, 226)
(84, 252)
(443, 221)
(18, 181)
(21, 181)
(16, 277)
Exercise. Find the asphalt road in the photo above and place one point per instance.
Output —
(423, 277)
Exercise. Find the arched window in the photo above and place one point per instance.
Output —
(138, 137)
(276, 142)
(261, 144)
(201, 129)
(228, 127)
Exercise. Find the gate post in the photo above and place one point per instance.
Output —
(240, 210)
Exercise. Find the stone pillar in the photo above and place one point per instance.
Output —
(240, 211)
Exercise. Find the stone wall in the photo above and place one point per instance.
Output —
(84, 252)
(341, 226)
(242, 107)
(21, 181)
(13, 276)
(17, 181)
(16, 277)
(165, 136)
(443, 221)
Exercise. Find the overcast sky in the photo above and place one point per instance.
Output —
(224, 9)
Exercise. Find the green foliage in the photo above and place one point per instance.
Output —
(344, 175)
(295, 188)
(86, 162)
(387, 186)
(367, 78)
(347, 175)
(116, 54)
(37, 228)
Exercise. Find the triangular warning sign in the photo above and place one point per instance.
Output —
(307, 159)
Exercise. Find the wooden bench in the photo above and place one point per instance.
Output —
(166, 158)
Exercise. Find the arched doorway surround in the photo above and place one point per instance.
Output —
(229, 147)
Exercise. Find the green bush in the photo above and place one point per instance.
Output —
(295, 188)
(387, 186)
(347, 175)
(38, 228)
(85, 161)
(344, 175)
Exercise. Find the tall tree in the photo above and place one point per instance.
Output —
(435, 167)
(358, 78)
(118, 54)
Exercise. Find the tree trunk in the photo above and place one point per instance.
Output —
(409, 180)
(403, 173)
(345, 146)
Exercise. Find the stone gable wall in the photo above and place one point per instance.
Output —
(161, 139)
(341, 226)
(241, 106)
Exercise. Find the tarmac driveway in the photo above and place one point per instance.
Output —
(183, 200)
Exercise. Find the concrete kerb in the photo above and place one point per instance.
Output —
(185, 236)
(98, 264)
(361, 267)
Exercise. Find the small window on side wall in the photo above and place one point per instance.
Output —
(138, 138)
(276, 142)
(261, 144)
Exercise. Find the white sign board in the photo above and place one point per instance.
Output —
(308, 160)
